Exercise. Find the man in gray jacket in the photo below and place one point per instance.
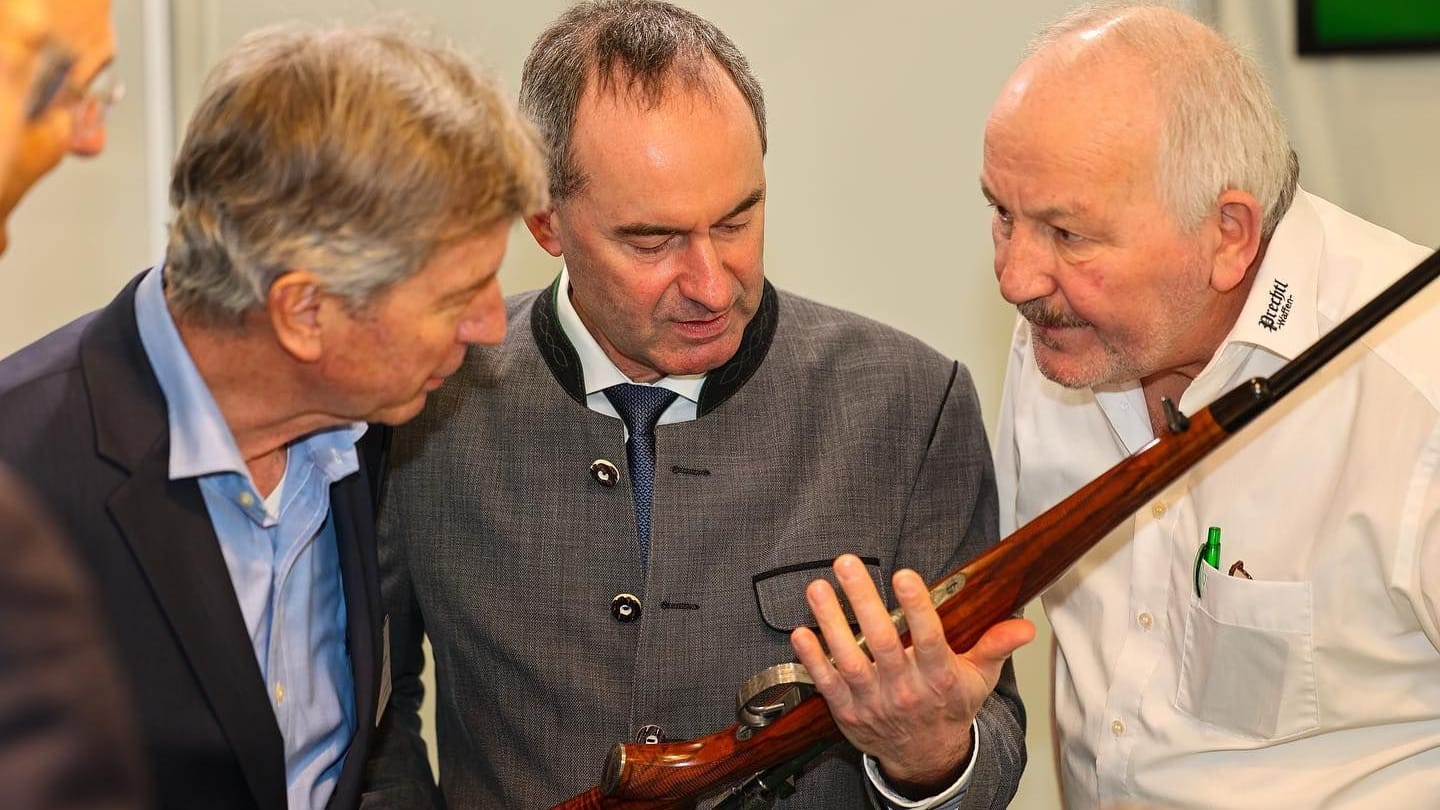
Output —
(609, 523)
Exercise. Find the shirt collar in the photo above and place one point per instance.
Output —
(597, 369)
(200, 440)
(1280, 317)
(1280, 312)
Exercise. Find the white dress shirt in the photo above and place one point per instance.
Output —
(599, 372)
(1317, 683)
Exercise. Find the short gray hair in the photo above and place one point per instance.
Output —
(1221, 128)
(353, 153)
(629, 45)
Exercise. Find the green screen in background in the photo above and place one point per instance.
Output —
(1368, 25)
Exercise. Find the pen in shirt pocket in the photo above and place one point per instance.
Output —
(1209, 554)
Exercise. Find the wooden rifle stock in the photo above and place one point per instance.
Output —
(994, 585)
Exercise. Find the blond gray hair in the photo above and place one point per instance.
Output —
(353, 153)
(1221, 129)
(631, 46)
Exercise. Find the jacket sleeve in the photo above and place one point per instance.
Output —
(951, 517)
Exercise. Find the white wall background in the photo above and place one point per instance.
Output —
(876, 114)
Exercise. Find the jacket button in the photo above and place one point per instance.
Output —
(650, 735)
(604, 472)
(625, 608)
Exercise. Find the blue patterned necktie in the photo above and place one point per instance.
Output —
(640, 406)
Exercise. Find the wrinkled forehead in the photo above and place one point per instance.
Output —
(1059, 103)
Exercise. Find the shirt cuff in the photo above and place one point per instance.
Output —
(949, 800)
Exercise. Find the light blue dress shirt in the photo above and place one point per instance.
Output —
(281, 553)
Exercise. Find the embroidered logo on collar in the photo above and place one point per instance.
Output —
(1278, 310)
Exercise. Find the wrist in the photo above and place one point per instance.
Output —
(922, 780)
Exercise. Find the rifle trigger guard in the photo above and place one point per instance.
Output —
(770, 693)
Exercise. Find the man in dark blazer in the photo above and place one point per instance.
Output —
(66, 737)
(580, 592)
(342, 203)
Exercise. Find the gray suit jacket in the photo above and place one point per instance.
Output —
(826, 433)
(66, 739)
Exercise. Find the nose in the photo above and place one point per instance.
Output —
(484, 321)
(87, 130)
(1024, 266)
(704, 279)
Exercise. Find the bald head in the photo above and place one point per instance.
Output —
(1203, 106)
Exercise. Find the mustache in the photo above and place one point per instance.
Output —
(1041, 314)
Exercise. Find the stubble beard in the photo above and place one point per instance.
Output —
(1132, 356)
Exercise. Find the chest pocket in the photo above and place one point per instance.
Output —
(1249, 660)
(780, 592)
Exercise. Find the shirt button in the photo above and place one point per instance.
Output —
(604, 472)
(246, 499)
(1117, 727)
(1158, 510)
(279, 693)
(1145, 620)
(625, 608)
(650, 735)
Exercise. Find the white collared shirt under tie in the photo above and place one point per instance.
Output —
(1317, 683)
(599, 372)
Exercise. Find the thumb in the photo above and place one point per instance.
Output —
(999, 642)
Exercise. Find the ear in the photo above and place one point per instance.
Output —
(544, 227)
(1239, 225)
(293, 307)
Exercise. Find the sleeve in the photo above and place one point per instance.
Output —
(882, 796)
(398, 775)
(66, 734)
(950, 518)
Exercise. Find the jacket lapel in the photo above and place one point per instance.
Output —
(168, 530)
(354, 511)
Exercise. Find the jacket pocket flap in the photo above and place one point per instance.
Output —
(780, 592)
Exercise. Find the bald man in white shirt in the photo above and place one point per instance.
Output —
(1149, 229)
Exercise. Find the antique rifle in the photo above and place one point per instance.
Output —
(989, 589)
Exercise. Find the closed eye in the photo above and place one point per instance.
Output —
(651, 247)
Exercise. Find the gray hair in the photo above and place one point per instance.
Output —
(354, 154)
(1221, 128)
(633, 46)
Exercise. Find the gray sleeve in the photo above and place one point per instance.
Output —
(951, 517)
(398, 773)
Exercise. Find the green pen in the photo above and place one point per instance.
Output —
(1209, 554)
(1212, 548)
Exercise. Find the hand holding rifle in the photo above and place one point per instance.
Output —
(911, 708)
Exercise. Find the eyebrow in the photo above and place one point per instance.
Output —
(646, 229)
(467, 292)
(1052, 212)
